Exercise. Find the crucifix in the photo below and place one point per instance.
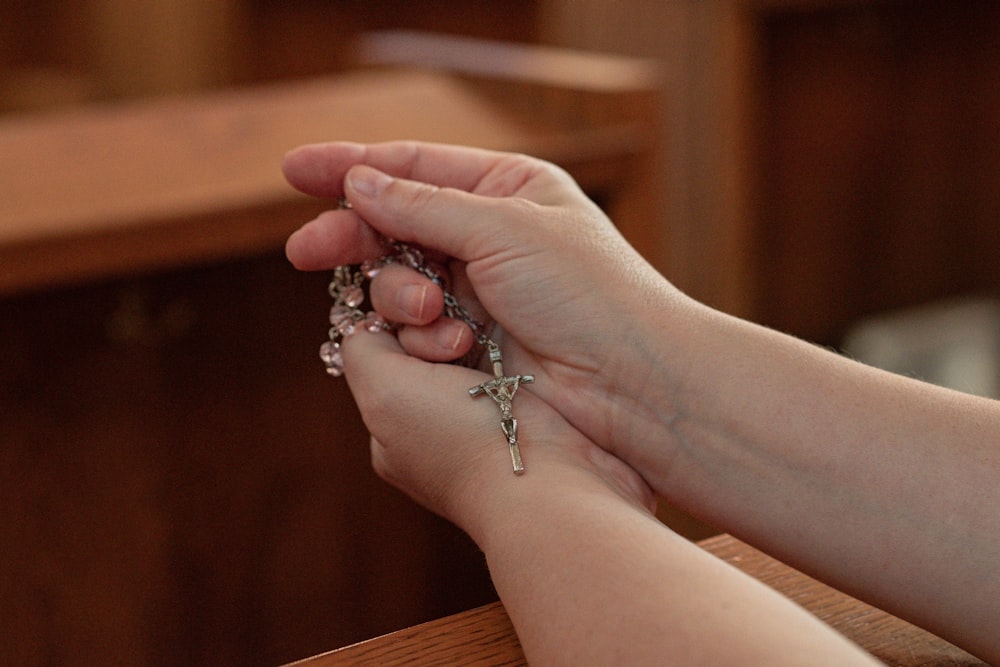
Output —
(502, 389)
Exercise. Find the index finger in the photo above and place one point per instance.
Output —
(319, 169)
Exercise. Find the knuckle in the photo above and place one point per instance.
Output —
(418, 196)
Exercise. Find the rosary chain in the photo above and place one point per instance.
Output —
(347, 290)
(415, 260)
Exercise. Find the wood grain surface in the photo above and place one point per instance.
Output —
(485, 636)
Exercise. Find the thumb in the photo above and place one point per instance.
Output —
(425, 439)
(369, 358)
(457, 223)
(382, 376)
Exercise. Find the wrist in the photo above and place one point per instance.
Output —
(503, 510)
(559, 461)
(643, 390)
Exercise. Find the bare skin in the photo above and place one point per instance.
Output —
(882, 486)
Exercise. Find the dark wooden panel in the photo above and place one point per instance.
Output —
(181, 483)
(879, 166)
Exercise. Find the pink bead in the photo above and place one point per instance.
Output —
(329, 352)
(338, 314)
(374, 322)
(353, 296)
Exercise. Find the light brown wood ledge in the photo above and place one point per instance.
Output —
(108, 190)
(485, 636)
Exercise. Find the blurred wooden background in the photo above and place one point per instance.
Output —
(180, 483)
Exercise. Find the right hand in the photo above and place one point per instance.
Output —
(518, 240)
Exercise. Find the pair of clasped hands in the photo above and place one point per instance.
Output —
(877, 484)
(522, 248)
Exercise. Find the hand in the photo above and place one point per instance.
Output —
(767, 436)
(520, 242)
(431, 440)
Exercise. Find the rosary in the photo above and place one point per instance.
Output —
(347, 290)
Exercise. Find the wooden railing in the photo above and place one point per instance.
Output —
(485, 636)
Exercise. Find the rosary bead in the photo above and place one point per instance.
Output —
(374, 322)
(345, 318)
(353, 296)
(329, 353)
(338, 314)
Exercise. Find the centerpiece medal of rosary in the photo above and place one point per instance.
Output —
(346, 317)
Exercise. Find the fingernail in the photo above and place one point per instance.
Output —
(457, 340)
(411, 300)
(367, 181)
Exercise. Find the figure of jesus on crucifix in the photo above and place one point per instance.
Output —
(502, 389)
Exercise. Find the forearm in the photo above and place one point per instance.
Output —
(878, 485)
(590, 579)
(883, 486)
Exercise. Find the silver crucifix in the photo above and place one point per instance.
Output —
(502, 389)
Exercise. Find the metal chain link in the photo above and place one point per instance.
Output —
(414, 258)
(346, 288)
